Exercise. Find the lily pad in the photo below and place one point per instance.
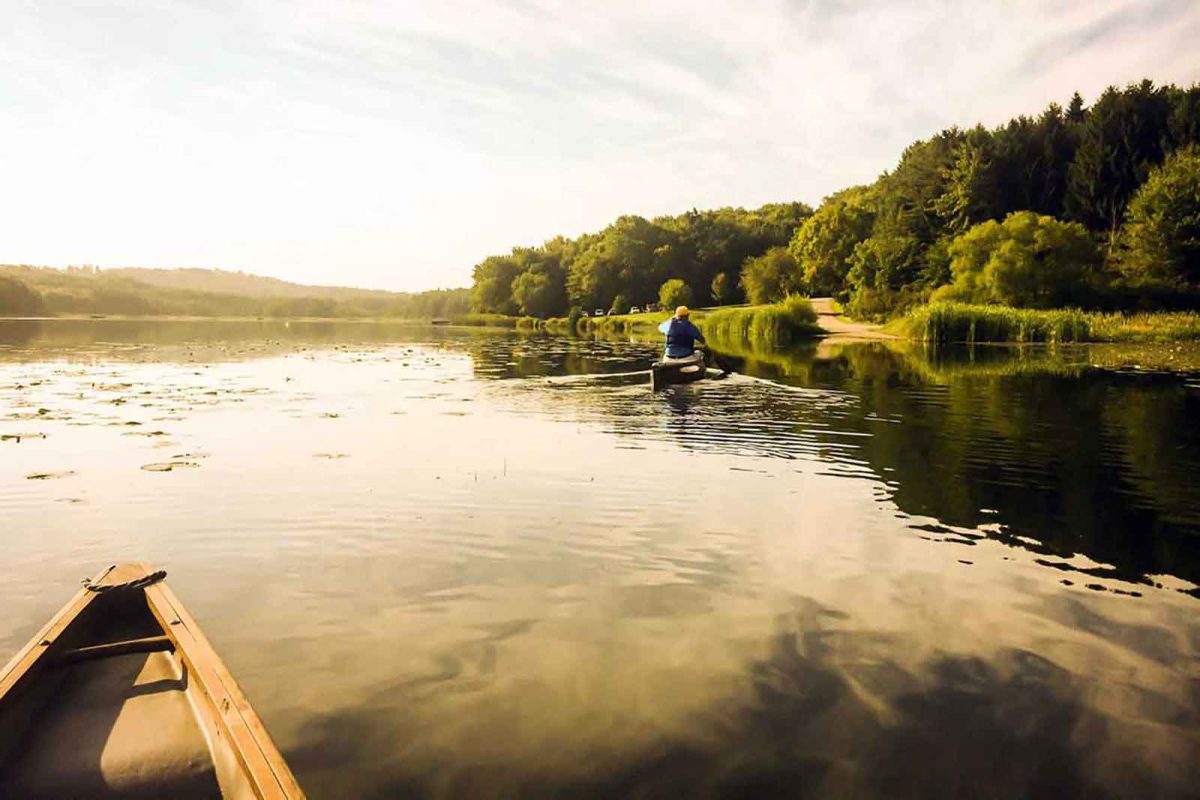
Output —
(47, 476)
(17, 437)
(169, 466)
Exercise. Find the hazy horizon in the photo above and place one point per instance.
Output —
(393, 147)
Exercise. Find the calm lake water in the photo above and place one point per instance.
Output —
(453, 563)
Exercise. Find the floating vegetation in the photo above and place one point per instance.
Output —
(49, 476)
(17, 437)
(330, 415)
(186, 456)
(169, 466)
(331, 455)
(144, 433)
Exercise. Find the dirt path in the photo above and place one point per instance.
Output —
(834, 325)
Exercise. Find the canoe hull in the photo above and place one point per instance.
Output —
(121, 695)
(668, 372)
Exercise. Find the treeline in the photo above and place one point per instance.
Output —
(629, 261)
(1093, 206)
(33, 291)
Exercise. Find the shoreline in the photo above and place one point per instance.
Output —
(955, 324)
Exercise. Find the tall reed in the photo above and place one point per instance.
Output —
(775, 325)
(961, 322)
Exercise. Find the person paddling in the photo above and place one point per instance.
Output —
(681, 334)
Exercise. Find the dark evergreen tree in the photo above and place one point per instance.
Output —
(1125, 135)
(1076, 112)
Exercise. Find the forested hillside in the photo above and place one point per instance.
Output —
(26, 291)
(1094, 206)
(239, 283)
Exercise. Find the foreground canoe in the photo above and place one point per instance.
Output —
(121, 696)
(668, 371)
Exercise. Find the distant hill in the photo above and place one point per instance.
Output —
(239, 283)
(26, 290)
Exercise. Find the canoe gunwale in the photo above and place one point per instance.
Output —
(228, 714)
(266, 768)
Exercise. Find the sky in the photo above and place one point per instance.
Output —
(394, 145)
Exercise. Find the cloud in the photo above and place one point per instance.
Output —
(396, 144)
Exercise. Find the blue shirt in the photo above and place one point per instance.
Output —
(682, 336)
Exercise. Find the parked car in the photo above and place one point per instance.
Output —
(599, 312)
(634, 310)
(582, 313)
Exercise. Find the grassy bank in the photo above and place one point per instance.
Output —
(497, 321)
(959, 322)
(774, 325)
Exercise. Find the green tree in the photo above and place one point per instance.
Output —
(1076, 112)
(1161, 238)
(723, 289)
(1028, 260)
(970, 193)
(775, 224)
(1185, 116)
(17, 299)
(624, 258)
(1125, 135)
(536, 293)
(823, 245)
(493, 281)
(907, 198)
(884, 273)
(1030, 160)
(890, 264)
(771, 277)
(573, 317)
(674, 293)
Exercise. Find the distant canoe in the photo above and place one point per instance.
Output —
(668, 371)
(440, 321)
(122, 696)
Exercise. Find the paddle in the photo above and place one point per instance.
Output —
(721, 363)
